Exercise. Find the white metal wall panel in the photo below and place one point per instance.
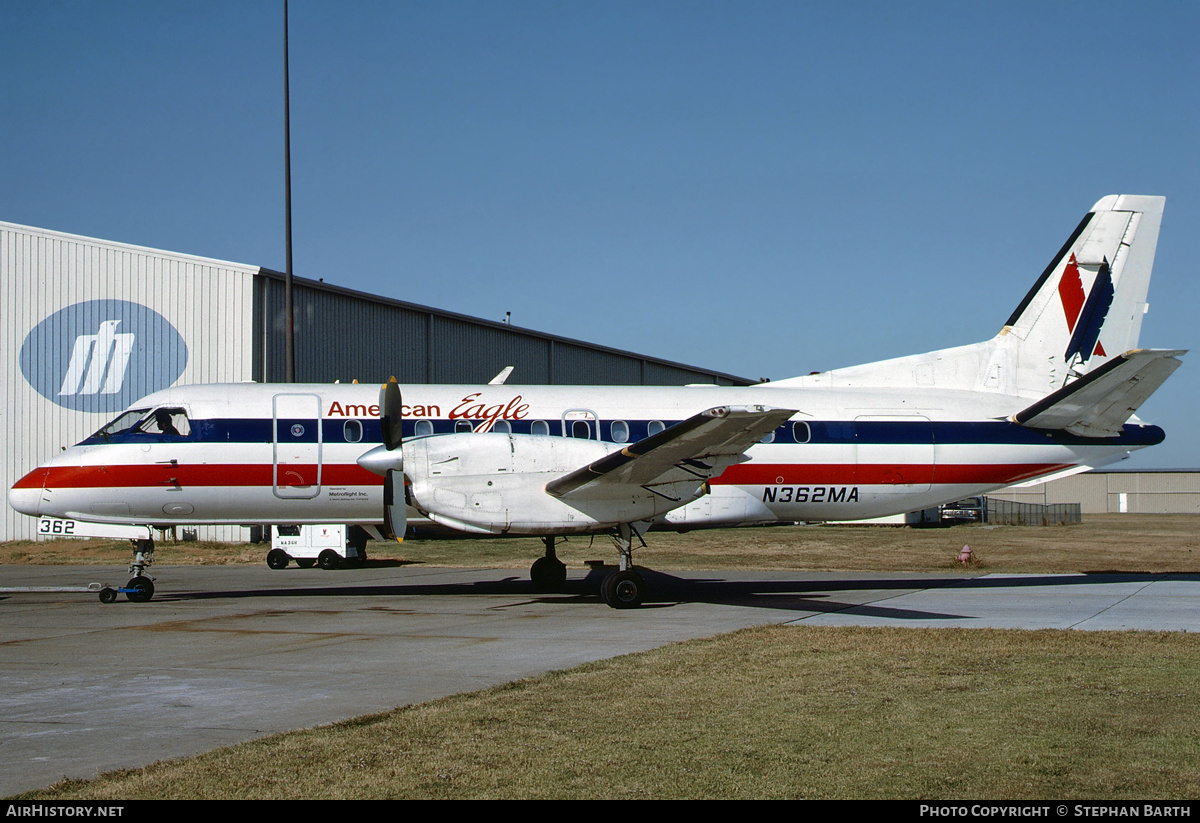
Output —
(1145, 492)
(171, 317)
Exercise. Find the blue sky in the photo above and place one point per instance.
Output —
(764, 188)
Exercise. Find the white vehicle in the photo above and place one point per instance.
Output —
(325, 545)
(1053, 393)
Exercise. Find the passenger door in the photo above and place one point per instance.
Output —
(297, 441)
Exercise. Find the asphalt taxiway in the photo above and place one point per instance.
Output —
(224, 654)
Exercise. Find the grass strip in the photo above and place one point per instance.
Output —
(773, 712)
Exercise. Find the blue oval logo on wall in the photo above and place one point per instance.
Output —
(102, 355)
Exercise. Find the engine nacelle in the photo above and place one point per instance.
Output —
(493, 483)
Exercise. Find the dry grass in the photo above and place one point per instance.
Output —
(90, 552)
(1128, 543)
(776, 712)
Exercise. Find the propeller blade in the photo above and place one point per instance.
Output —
(389, 414)
(395, 510)
(389, 461)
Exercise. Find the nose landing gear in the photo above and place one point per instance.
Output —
(140, 587)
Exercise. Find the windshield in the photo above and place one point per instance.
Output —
(160, 422)
(124, 423)
(170, 422)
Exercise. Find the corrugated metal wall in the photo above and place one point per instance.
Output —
(346, 335)
(159, 318)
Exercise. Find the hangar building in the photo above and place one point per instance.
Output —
(1116, 491)
(90, 326)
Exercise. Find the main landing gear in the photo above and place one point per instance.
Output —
(140, 587)
(625, 588)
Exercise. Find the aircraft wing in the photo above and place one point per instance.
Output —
(693, 450)
(1099, 403)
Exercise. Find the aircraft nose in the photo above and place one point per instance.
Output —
(26, 494)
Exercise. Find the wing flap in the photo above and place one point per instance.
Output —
(1102, 401)
(695, 449)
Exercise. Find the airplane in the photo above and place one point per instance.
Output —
(1053, 393)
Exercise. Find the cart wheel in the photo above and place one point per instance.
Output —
(329, 560)
(108, 595)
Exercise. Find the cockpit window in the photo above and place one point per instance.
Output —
(167, 422)
(124, 423)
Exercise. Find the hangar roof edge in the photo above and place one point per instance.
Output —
(99, 241)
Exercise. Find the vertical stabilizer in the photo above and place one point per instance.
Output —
(1088, 304)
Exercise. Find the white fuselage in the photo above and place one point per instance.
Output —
(276, 453)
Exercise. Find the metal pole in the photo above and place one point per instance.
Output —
(289, 310)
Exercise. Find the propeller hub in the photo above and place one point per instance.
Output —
(380, 460)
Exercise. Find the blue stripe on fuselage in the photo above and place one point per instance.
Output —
(872, 432)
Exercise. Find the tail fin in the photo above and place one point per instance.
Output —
(1087, 306)
(1085, 309)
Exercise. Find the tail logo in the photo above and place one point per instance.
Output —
(1085, 313)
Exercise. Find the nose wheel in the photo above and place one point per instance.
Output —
(140, 587)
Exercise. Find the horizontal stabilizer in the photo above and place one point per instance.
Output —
(1099, 403)
(693, 450)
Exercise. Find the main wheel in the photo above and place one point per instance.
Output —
(277, 559)
(548, 574)
(329, 560)
(143, 589)
(623, 590)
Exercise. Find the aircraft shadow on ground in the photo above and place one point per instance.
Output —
(667, 590)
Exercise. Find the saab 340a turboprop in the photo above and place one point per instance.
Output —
(1054, 392)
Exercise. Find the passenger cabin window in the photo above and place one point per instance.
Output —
(424, 428)
(463, 426)
(655, 427)
(581, 430)
(502, 426)
(620, 431)
(540, 427)
(769, 437)
(801, 432)
(352, 431)
(167, 422)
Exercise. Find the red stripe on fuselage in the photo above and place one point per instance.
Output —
(332, 474)
(209, 474)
